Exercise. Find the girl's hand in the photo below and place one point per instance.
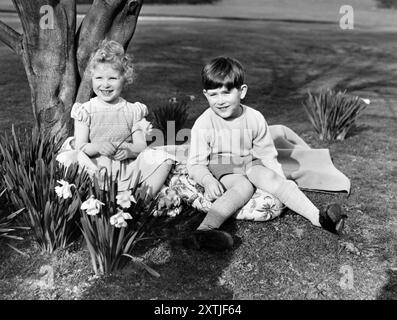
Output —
(122, 154)
(107, 149)
(213, 188)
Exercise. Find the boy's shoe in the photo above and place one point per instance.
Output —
(332, 219)
(209, 239)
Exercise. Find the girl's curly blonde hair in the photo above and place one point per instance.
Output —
(110, 51)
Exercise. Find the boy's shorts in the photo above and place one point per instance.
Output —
(220, 166)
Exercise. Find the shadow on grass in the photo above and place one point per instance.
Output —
(389, 290)
(293, 74)
(184, 273)
(190, 274)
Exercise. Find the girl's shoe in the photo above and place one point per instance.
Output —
(209, 239)
(332, 219)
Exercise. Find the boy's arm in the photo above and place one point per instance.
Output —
(197, 163)
(264, 149)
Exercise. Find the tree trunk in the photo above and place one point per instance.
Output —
(55, 56)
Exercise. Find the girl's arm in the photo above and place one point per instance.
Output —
(81, 133)
(132, 150)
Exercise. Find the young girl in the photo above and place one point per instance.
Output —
(107, 127)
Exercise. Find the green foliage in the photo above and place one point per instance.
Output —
(7, 221)
(30, 174)
(172, 115)
(333, 114)
(388, 4)
(110, 246)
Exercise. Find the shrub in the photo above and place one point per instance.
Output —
(31, 174)
(110, 238)
(7, 222)
(388, 4)
(174, 113)
(333, 114)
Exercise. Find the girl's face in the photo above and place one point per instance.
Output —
(107, 82)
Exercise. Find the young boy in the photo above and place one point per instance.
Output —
(232, 153)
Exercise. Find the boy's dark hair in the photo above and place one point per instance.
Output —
(222, 71)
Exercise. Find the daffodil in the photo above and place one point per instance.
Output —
(118, 220)
(63, 191)
(366, 101)
(125, 198)
(92, 206)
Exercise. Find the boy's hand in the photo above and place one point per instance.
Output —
(107, 149)
(213, 188)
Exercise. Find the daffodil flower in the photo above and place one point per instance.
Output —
(92, 206)
(118, 220)
(124, 199)
(366, 101)
(63, 191)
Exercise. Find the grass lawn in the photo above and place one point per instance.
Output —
(286, 258)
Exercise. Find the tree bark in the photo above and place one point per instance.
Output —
(50, 62)
(55, 58)
(11, 38)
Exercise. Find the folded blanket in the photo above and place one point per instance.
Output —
(311, 169)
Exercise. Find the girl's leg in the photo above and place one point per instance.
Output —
(238, 192)
(285, 190)
(153, 184)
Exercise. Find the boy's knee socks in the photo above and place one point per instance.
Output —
(289, 194)
(222, 209)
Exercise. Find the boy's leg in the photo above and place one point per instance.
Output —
(288, 192)
(238, 192)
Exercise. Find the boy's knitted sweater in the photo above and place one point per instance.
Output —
(242, 139)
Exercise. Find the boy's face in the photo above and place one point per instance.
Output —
(107, 82)
(226, 103)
